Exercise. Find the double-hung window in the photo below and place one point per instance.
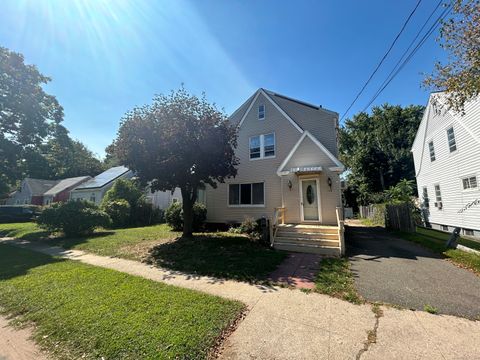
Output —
(262, 146)
(470, 183)
(246, 194)
(426, 200)
(261, 112)
(255, 149)
(452, 144)
(431, 149)
(438, 197)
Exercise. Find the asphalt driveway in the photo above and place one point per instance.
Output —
(396, 271)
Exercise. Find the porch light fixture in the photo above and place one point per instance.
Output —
(289, 184)
(329, 182)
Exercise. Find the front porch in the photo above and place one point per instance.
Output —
(308, 238)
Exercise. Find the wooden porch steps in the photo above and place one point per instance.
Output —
(317, 239)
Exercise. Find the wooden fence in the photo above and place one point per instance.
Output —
(394, 217)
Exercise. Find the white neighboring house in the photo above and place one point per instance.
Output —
(94, 189)
(163, 199)
(446, 152)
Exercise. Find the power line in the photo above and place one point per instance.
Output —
(383, 58)
(429, 32)
(408, 48)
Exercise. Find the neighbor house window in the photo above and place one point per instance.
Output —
(438, 197)
(261, 112)
(262, 146)
(246, 194)
(432, 151)
(452, 144)
(92, 197)
(468, 232)
(426, 200)
(469, 182)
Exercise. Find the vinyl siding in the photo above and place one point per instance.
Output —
(449, 168)
(265, 170)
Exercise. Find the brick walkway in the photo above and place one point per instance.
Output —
(298, 270)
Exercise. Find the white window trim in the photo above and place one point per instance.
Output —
(239, 195)
(264, 112)
(477, 188)
(262, 146)
(454, 137)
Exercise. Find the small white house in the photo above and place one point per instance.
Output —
(94, 189)
(446, 152)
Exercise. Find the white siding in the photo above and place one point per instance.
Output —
(449, 168)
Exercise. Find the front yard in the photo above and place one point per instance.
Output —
(221, 254)
(82, 311)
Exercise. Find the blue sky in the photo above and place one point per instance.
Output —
(106, 56)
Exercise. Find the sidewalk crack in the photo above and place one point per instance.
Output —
(371, 334)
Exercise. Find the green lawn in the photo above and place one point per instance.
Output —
(435, 241)
(83, 311)
(25, 230)
(443, 236)
(336, 279)
(219, 254)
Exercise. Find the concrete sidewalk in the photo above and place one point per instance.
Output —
(289, 324)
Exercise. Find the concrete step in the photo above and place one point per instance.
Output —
(306, 235)
(312, 249)
(305, 241)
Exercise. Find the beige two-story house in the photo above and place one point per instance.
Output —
(288, 173)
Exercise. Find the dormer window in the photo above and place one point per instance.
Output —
(261, 112)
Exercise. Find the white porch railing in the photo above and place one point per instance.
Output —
(341, 229)
(278, 217)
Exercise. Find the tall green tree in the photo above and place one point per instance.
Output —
(376, 147)
(181, 141)
(28, 115)
(459, 36)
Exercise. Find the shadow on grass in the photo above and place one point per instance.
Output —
(29, 236)
(225, 257)
(15, 261)
(70, 242)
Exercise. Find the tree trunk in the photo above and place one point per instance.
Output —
(188, 199)
(382, 180)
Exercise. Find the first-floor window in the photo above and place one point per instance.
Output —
(92, 197)
(426, 200)
(469, 182)
(246, 194)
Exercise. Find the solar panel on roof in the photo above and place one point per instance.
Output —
(104, 178)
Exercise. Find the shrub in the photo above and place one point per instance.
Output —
(249, 227)
(124, 189)
(145, 214)
(119, 212)
(73, 218)
(174, 216)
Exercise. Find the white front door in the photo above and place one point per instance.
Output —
(309, 200)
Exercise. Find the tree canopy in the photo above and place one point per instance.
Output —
(459, 36)
(376, 148)
(181, 141)
(33, 141)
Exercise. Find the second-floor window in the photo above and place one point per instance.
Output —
(262, 146)
(470, 182)
(431, 149)
(261, 112)
(452, 144)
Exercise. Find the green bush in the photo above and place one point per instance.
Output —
(174, 216)
(249, 227)
(140, 212)
(119, 212)
(73, 218)
(124, 189)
